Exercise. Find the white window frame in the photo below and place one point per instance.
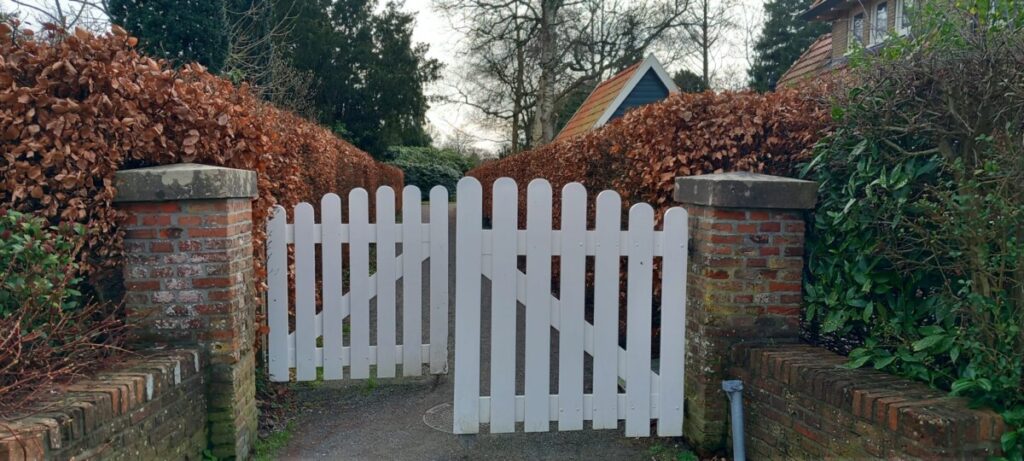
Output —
(878, 32)
(901, 15)
(852, 36)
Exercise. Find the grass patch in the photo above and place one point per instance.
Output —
(268, 447)
(663, 452)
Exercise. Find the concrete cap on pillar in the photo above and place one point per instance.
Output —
(746, 190)
(183, 181)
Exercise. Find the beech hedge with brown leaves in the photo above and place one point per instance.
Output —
(74, 110)
(641, 154)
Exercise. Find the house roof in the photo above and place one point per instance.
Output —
(602, 103)
(810, 64)
(824, 10)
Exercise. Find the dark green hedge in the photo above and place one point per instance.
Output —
(426, 167)
(916, 252)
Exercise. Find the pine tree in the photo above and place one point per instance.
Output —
(181, 31)
(784, 38)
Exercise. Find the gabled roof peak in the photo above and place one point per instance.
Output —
(602, 103)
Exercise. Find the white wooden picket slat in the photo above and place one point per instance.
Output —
(538, 296)
(570, 332)
(305, 293)
(412, 282)
(606, 310)
(673, 321)
(359, 274)
(638, 320)
(468, 220)
(503, 306)
(386, 323)
(277, 296)
(331, 277)
(438, 234)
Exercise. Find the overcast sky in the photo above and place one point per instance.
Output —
(729, 62)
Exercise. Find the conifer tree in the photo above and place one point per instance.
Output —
(784, 38)
(181, 31)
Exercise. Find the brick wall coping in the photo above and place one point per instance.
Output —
(746, 190)
(89, 404)
(911, 409)
(184, 181)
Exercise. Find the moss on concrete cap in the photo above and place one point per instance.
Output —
(183, 181)
(746, 190)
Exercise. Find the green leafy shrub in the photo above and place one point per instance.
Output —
(47, 332)
(36, 261)
(426, 167)
(916, 253)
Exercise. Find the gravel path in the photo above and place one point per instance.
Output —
(392, 419)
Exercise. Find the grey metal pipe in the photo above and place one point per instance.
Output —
(734, 389)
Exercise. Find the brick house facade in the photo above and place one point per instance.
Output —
(854, 23)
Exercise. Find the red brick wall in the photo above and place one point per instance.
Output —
(800, 403)
(189, 281)
(151, 407)
(744, 285)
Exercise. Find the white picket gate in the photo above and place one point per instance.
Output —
(299, 349)
(493, 253)
(318, 339)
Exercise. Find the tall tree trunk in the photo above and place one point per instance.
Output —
(518, 92)
(705, 46)
(544, 126)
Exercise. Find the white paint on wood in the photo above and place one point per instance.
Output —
(305, 293)
(606, 310)
(617, 401)
(673, 323)
(638, 320)
(277, 296)
(386, 274)
(438, 233)
(503, 306)
(570, 332)
(538, 298)
(346, 354)
(331, 276)
(467, 307)
(359, 274)
(412, 282)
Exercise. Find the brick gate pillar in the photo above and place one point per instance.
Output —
(744, 281)
(189, 281)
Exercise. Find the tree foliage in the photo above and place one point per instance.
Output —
(369, 75)
(783, 39)
(689, 82)
(350, 63)
(181, 31)
(916, 254)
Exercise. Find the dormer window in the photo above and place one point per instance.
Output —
(856, 29)
(879, 24)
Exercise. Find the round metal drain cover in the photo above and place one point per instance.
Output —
(440, 418)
